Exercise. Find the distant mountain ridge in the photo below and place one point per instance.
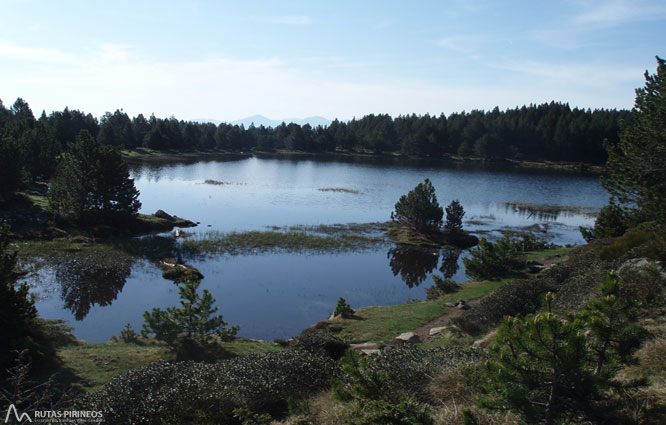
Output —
(259, 120)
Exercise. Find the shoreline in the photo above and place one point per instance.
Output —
(144, 155)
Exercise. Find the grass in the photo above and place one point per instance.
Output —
(560, 254)
(381, 324)
(550, 211)
(338, 189)
(96, 364)
(91, 365)
(289, 240)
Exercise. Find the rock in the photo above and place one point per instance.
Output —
(177, 272)
(462, 305)
(364, 346)
(437, 331)
(371, 352)
(639, 264)
(408, 337)
(164, 215)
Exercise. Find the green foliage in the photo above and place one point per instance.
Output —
(537, 367)
(127, 334)
(10, 169)
(27, 395)
(92, 183)
(494, 260)
(17, 308)
(611, 322)
(361, 382)
(454, 216)
(154, 394)
(248, 417)
(621, 246)
(419, 208)
(511, 299)
(193, 329)
(469, 418)
(529, 242)
(397, 374)
(320, 341)
(343, 308)
(441, 287)
(406, 412)
(551, 368)
(612, 221)
(636, 172)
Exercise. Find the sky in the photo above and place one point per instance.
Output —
(227, 60)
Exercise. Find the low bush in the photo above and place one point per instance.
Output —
(343, 308)
(406, 371)
(129, 335)
(518, 297)
(201, 393)
(320, 341)
(622, 245)
(406, 412)
(646, 284)
(494, 260)
(651, 358)
(441, 287)
(611, 221)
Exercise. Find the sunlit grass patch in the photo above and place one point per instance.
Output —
(380, 324)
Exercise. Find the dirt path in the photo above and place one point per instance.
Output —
(451, 313)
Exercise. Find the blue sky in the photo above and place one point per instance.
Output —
(228, 60)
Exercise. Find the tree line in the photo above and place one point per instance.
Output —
(552, 131)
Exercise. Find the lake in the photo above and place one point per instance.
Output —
(278, 294)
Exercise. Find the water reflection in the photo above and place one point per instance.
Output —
(85, 282)
(450, 264)
(413, 264)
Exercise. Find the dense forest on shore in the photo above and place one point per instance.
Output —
(553, 132)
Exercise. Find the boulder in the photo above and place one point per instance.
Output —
(408, 337)
(371, 352)
(437, 331)
(364, 346)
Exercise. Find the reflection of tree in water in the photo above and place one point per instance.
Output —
(450, 263)
(85, 280)
(413, 264)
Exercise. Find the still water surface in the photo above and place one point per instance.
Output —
(276, 295)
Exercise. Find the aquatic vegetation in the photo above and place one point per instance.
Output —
(338, 189)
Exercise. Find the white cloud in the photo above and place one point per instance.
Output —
(609, 13)
(602, 75)
(33, 54)
(116, 76)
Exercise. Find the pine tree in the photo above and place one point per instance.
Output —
(92, 183)
(637, 163)
(454, 215)
(191, 330)
(419, 208)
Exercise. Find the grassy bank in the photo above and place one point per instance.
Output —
(89, 366)
(382, 323)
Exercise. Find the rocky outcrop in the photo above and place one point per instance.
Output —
(172, 270)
